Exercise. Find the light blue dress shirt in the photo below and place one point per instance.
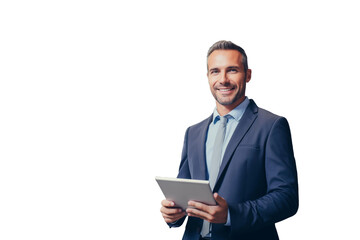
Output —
(233, 119)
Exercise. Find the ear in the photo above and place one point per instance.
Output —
(248, 75)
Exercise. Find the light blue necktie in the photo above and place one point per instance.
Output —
(215, 164)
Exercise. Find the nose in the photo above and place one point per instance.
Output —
(223, 78)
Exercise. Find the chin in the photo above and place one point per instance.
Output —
(226, 102)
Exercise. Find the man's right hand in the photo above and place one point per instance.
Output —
(170, 213)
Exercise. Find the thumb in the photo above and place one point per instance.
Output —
(221, 201)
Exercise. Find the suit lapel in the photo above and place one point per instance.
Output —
(242, 128)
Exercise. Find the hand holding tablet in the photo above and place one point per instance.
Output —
(181, 191)
(191, 197)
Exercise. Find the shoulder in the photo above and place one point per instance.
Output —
(200, 126)
(199, 129)
(263, 113)
(265, 117)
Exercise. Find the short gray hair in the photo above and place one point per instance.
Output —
(227, 45)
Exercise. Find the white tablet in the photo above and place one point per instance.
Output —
(181, 191)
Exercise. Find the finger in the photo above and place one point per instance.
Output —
(199, 205)
(170, 211)
(167, 203)
(193, 212)
(173, 218)
(221, 201)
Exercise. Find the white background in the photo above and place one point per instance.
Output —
(95, 98)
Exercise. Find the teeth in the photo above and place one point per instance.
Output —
(224, 90)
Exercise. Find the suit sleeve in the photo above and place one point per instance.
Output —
(281, 198)
(184, 172)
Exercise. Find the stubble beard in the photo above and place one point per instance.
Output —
(225, 101)
(231, 99)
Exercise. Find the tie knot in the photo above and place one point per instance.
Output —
(223, 120)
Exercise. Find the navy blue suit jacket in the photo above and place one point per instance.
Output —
(257, 177)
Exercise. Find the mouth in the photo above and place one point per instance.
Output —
(226, 90)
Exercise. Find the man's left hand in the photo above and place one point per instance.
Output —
(213, 214)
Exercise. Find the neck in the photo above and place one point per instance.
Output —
(225, 109)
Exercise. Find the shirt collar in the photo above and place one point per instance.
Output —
(236, 113)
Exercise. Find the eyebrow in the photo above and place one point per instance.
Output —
(237, 67)
(215, 68)
(229, 67)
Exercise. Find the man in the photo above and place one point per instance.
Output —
(246, 153)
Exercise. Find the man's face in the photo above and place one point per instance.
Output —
(227, 77)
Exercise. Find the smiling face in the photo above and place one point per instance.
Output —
(227, 79)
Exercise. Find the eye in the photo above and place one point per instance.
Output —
(232, 70)
(214, 71)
